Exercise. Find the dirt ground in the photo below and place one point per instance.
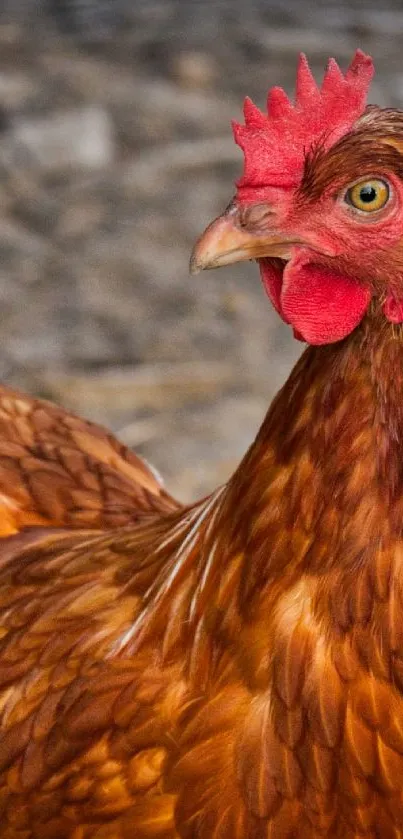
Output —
(115, 152)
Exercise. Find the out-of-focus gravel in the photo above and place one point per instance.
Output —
(115, 152)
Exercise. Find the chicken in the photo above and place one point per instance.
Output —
(57, 469)
(232, 669)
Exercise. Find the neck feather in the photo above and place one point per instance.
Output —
(316, 503)
(324, 479)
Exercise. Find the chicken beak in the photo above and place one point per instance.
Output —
(235, 236)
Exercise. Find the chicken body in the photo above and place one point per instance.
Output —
(231, 670)
(208, 672)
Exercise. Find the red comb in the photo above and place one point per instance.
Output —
(275, 145)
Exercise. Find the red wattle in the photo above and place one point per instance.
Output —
(271, 272)
(321, 305)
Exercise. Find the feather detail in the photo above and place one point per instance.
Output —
(58, 469)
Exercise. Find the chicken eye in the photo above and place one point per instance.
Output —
(368, 196)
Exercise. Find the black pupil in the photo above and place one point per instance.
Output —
(367, 194)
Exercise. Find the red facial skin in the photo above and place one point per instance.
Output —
(346, 257)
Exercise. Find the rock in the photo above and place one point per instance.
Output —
(82, 137)
(79, 219)
(194, 69)
(15, 89)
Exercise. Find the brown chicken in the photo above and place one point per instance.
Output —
(231, 670)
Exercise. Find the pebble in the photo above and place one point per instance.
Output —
(81, 137)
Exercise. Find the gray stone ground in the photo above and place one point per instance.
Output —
(115, 151)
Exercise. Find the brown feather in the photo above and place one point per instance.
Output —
(231, 670)
(58, 469)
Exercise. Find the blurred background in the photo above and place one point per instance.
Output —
(115, 152)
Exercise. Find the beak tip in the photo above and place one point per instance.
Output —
(194, 266)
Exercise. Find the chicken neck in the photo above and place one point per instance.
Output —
(327, 463)
(313, 512)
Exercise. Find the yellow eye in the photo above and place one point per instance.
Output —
(368, 196)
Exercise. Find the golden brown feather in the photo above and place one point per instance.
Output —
(201, 675)
(230, 670)
(61, 470)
